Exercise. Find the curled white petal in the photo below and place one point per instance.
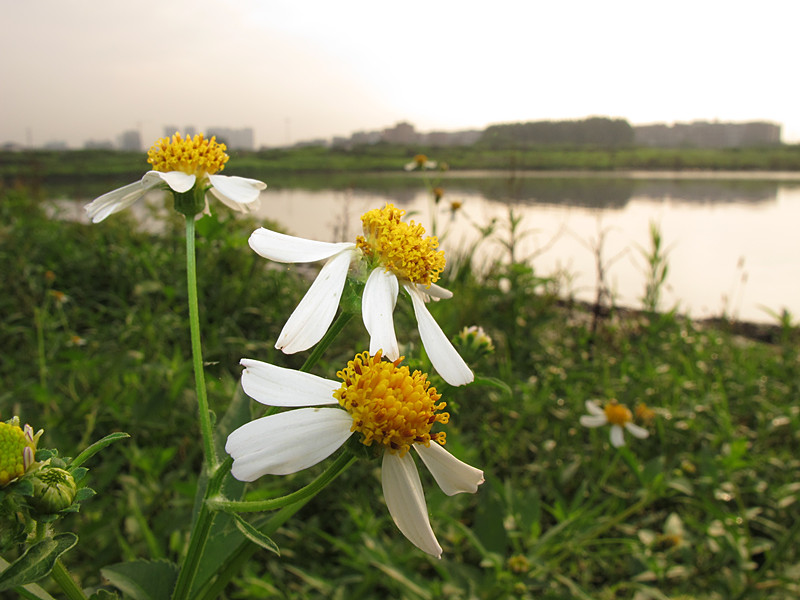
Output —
(452, 475)
(178, 181)
(636, 431)
(592, 408)
(290, 249)
(377, 306)
(287, 442)
(402, 491)
(444, 357)
(436, 292)
(593, 420)
(239, 193)
(617, 437)
(115, 201)
(312, 317)
(277, 386)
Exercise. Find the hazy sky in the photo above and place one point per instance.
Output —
(73, 70)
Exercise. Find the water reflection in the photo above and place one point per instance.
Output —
(733, 246)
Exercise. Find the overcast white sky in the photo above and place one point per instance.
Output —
(293, 70)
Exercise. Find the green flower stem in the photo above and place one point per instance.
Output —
(343, 461)
(62, 577)
(334, 330)
(232, 566)
(197, 351)
(198, 538)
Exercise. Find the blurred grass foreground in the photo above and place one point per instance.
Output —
(93, 341)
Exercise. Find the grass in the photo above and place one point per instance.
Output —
(94, 340)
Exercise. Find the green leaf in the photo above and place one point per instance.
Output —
(96, 447)
(493, 382)
(255, 536)
(37, 561)
(104, 595)
(31, 591)
(143, 579)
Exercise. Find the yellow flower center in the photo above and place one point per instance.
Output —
(617, 414)
(194, 156)
(16, 452)
(390, 405)
(400, 247)
(420, 159)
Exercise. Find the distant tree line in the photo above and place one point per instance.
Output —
(595, 131)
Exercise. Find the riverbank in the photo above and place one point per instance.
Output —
(45, 166)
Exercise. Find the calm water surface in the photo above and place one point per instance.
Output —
(733, 243)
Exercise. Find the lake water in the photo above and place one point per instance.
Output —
(732, 240)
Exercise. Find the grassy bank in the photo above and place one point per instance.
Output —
(293, 165)
(94, 340)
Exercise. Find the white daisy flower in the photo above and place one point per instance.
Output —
(180, 165)
(420, 161)
(392, 410)
(397, 255)
(618, 416)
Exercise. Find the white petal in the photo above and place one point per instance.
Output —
(115, 201)
(377, 306)
(402, 490)
(312, 317)
(178, 181)
(436, 292)
(593, 420)
(236, 192)
(276, 386)
(452, 475)
(287, 442)
(594, 409)
(636, 431)
(444, 357)
(290, 249)
(617, 438)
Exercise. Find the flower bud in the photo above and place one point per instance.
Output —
(54, 490)
(17, 450)
(474, 342)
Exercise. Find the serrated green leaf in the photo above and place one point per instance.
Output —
(37, 561)
(96, 447)
(79, 473)
(84, 494)
(143, 579)
(255, 536)
(32, 591)
(24, 487)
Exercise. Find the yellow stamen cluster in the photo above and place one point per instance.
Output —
(17, 447)
(618, 414)
(421, 160)
(194, 156)
(400, 247)
(389, 405)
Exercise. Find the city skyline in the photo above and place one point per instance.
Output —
(296, 71)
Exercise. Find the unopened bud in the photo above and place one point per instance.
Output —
(54, 490)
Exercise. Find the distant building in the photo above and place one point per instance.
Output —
(130, 141)
(234, 139)
(171, 130)
(705, 134)
(402, 133)
(56, 145)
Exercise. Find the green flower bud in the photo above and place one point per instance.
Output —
(54, 490)
(17, 450)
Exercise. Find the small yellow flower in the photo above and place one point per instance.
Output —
(420, 161)
(390, 408)
(615, 414)
(182, 164)
(438, 192)
(397, 254)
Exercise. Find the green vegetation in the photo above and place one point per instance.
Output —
(94, 341)
(95, 170)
